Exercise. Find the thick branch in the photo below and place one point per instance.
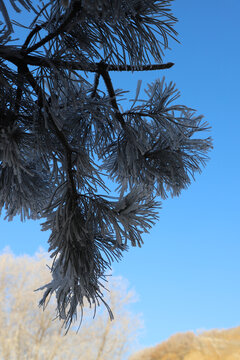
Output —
(14, 54)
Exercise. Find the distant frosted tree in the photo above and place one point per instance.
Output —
(60, 134)
(27, 333)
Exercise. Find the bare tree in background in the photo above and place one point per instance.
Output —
(27, 333)
(60, 134)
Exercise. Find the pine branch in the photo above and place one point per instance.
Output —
(155, 154)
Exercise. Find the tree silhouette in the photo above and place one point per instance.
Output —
(60, 134)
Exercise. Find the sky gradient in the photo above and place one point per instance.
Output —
(187, 274)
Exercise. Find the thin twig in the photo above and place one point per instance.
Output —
(102, 69)
(55, 33)
(19, 90)
(139, 68)
(59, 133)
(154, 115)
(30, 36)
(96, 82)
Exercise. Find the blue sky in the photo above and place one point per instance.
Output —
(187, 274)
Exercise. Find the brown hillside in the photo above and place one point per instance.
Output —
(209, 345)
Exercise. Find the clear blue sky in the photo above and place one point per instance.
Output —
(187, 274)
